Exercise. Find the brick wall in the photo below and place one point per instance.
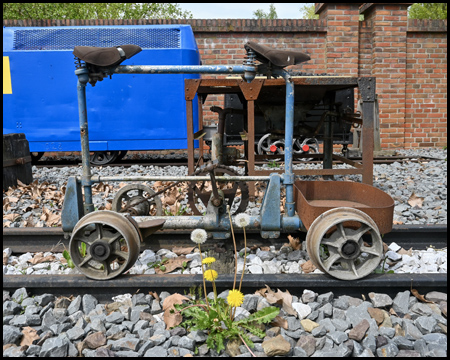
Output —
(408, 58)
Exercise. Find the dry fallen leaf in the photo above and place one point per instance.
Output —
(20, 183)
(182, 250)
(262, 291)
(172, 264)
(110, 308)
(53, 219)
(29, 335)
(280, 322)
(5, 259)
(39, 258)
(294, 242)
(281, 298)
(155, 295)
(420, 297)
(11, 217)
(174, 318)
(287, 302)
(10, 191)
(415, 200)
(308, 267)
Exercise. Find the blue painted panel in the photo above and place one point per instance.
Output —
(129, 112)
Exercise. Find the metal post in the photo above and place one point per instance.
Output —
(367, 88)
(368, 141)
(251, 145)
(190, 136)
(83, 78)
(328, 145)
(288, 145)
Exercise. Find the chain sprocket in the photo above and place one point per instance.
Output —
(199, 191)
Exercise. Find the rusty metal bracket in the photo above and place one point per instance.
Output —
(367, 86)
(190, 88)
(18, 161)
(251, 90)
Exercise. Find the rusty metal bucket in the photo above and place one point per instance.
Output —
(315, 197)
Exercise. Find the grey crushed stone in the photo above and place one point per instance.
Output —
(150, 338)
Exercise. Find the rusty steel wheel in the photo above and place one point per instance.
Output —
(200, 191)
(133, 195)
(111, 245)
(344, 243)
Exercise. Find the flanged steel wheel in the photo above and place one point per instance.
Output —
(345, 243)
(111, 245)
(133, 195)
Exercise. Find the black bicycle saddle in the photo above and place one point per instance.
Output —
(106, 56)
(279, 58)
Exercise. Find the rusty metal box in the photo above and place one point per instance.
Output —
(315, 197)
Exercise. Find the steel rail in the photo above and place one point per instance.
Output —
(182, 162)
(22, 240)
(66, 285)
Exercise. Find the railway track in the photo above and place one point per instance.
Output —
(21, 240)
(183, 162)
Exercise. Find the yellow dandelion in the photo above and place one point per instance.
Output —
(211, 275)
(235, 298)
(208, 260)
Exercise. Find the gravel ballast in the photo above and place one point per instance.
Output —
(323, 325)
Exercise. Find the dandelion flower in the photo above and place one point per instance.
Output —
(208, 260)
(235, 298)
(199, 236)
(211, 275)
(242, 220)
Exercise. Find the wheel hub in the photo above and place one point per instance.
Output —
(350, 250)
(100, 250)
(139, 207)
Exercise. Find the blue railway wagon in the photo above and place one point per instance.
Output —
(138, 112)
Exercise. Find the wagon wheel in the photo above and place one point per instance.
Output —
(111, 245)
(312, 147)
(134, 195)
(103, 157)
(235, 192)
(344, 243)
(266, 142)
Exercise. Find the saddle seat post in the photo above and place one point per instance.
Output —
(83, 78)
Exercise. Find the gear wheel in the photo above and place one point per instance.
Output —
(200, 191)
